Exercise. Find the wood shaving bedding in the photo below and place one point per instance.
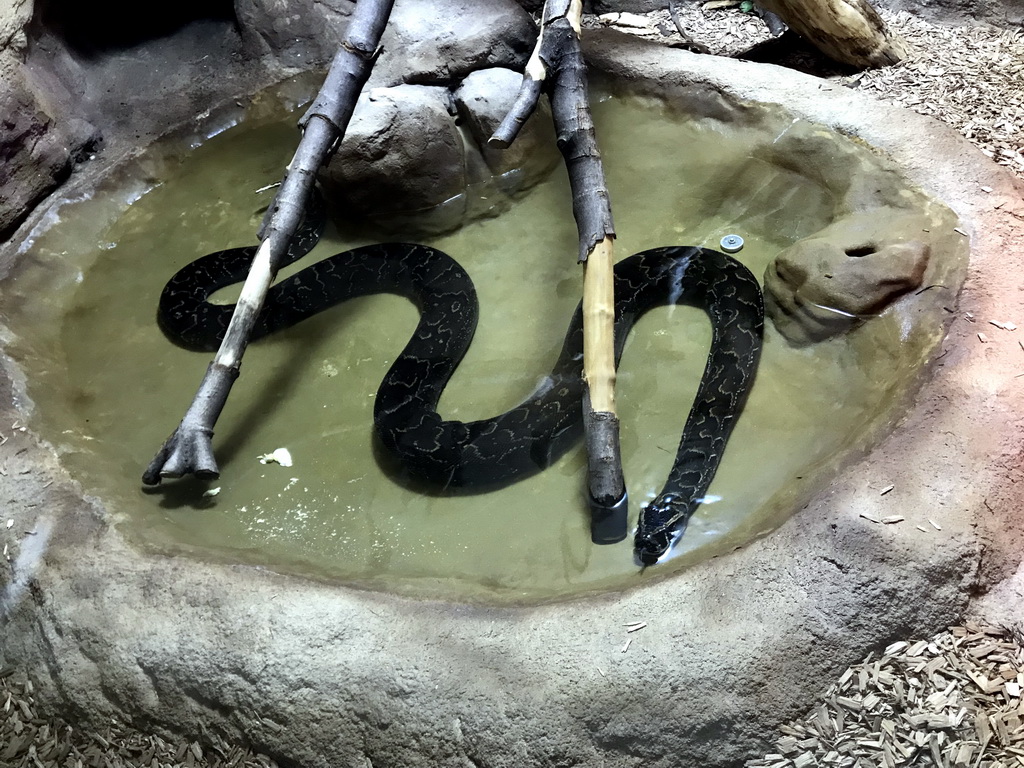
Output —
(29, 741)
(952, 701)
(970, 77)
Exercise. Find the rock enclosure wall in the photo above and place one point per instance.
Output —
(321, 676)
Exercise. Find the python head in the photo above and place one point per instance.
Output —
(661, 524)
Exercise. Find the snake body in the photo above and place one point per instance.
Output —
(530, 436)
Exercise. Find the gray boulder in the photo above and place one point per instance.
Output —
(424, 46)
(483, 100)
(35, 149)
(417, 155)
(853, 269)
(402, 154)
(419, 45)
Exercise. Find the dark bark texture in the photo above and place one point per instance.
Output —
(558, 68)
(189, 448)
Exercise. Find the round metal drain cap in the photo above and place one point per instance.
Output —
(732, 243)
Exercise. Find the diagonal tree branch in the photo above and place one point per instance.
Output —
(189, 449)
(557, 68)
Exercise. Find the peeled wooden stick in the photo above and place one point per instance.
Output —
(189, 449)
(557, 67)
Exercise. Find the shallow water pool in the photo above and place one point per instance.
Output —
(108, 388)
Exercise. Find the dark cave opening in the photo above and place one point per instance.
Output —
(91, 28)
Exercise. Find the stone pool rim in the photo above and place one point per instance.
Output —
(321, 674)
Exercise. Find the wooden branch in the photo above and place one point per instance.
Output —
(557, 67)
(189, 449)
(849, 31)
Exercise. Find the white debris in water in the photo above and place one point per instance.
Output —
(281, 456)
(211, 492)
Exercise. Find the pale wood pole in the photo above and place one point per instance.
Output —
(557, 67)
(189, 449)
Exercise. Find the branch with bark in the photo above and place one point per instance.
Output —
(557, 68)
(189, 449)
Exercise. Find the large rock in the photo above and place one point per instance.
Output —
(420, 45)
(848, 272)
(402, 154)
(423, 45)
(418, 154)
(36, 155)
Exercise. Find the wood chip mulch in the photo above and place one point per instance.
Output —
(30, 741)
(969, 76)
(950, 702)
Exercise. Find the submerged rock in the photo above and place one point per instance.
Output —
(402, 153)
(853, 269)
(483, 99)
(418, 155)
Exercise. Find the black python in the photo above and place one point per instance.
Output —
(536, 432)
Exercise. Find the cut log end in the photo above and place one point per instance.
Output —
(605, 484)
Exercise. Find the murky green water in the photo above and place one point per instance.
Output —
(108, 387)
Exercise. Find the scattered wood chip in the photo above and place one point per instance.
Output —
(893, 519)
(626, 646)
(951, 702)
(982, 338)
(26, 739)
(635, 627)
(886, 490)
(935, 525)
